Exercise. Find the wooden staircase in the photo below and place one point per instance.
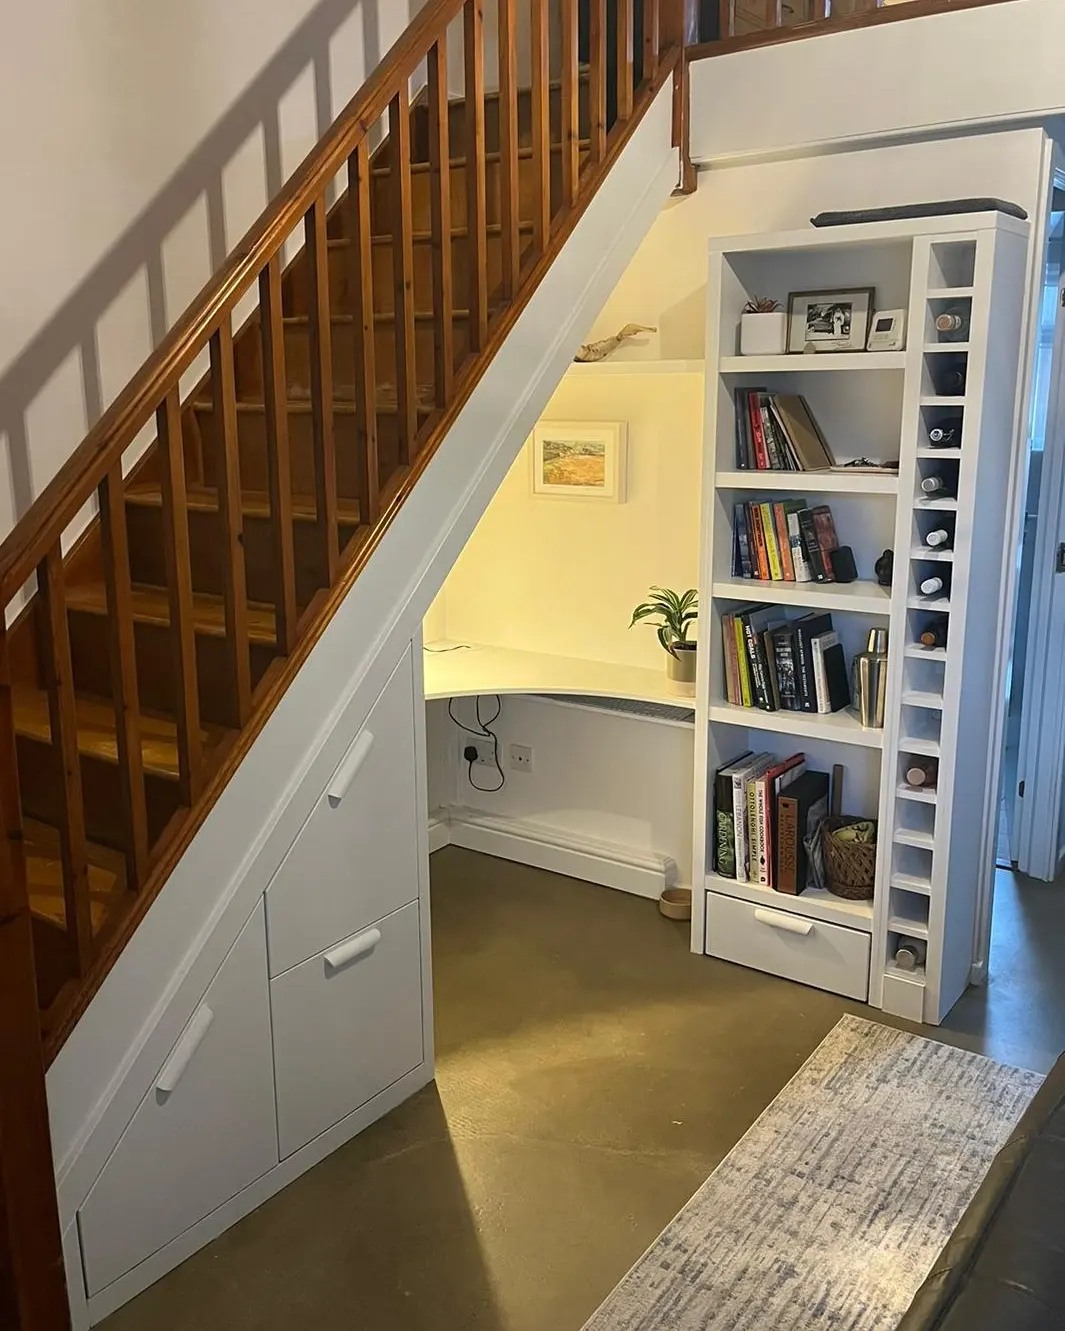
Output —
(156, 643)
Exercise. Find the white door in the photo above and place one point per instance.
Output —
(1038, 842)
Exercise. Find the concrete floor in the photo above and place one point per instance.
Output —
(591, 1073)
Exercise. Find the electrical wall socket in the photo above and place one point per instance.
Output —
(521, 758)
(485, 750)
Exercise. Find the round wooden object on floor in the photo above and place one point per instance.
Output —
(675, 903)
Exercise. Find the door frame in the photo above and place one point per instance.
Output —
(1037, 814)
(1052, 164)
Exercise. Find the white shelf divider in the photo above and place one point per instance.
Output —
(814, 903)
(862, 596)
(827, 362)
(842, 727)
(818, 482)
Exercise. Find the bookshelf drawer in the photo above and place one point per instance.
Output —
(826, 956)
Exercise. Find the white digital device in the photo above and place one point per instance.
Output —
(887, 331)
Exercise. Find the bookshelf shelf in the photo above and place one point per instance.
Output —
(819, 482)
(841, 727)
(932, 882)
(814, 903)
(864, 597)
(814, 364)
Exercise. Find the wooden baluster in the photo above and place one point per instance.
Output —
(403, 271)
(62, 715)
(115, 542)
(231, 514)
(476, 210)
(508, 145)
(325, 467)
(625, 59)
(727, 21)
(651, 40)
(540, 110)
(29, 1221)
(821, 9)
(597, 79)
(440, 210)
(279, 469)
(774, 16)
(179, 596)
(571, 148)
(361, 260)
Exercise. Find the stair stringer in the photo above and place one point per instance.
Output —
(108, 1062)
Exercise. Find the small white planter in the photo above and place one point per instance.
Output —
(680, 669)
(764, 334)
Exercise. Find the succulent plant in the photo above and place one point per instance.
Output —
(675, 614)
(761, 305)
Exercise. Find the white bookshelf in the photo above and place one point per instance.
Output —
(934, 858)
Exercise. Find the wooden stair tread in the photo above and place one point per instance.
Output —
(44, 875)
(426, 237)
(151, 605)
(96, 731)
(525, 153)
(254, 503)
(459, 315)
(300, 405)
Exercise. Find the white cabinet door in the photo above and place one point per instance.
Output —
(356, 857)
(347, 1024)
(205, 1130)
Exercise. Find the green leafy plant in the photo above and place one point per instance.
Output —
(761, 305)
(676, 614)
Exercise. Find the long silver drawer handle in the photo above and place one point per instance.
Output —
(179, 1060)
(349, 768)
(361, 946)
(787, 923)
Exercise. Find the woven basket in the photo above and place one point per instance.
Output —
(850, 868)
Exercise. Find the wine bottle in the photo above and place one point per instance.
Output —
(938, 585)
(911, 953)
(948, 375)
(946, 433)
(952, 323)
(922, 772)
(934, 633)
(938, 539)
(936, 487)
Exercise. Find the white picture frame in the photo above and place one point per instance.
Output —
(580, 460)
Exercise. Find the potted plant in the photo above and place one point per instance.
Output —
(763, 328)
(675, 616)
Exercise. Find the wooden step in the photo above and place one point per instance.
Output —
(44, 876)
(144, 518)
(151, 606)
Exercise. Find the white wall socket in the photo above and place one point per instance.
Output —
(485, 750)
(521, 758)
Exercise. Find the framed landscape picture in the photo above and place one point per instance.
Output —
(820, 321)
(580, 460)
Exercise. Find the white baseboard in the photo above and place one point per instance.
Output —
(642, 873)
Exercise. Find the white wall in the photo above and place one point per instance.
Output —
(562, 575)
(622, 780)
(138, 141)
(666, 282)
(961, 69)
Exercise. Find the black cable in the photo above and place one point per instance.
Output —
(484, 731)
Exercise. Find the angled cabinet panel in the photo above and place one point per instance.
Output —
(205, 1130)
(356, 857)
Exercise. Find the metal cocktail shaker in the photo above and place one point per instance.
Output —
(870, 679)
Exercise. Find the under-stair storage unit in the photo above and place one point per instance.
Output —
(205, 1130)
(945, 408)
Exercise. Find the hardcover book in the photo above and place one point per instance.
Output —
(799, 809)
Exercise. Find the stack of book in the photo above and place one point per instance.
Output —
(783, 541)
(764, 809)
(784, 665)
(778, 432)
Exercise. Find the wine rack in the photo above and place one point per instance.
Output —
(946, 408)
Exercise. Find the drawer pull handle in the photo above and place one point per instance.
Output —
(361, 946)
(179, 1060)
(349, 768)
(787, 923)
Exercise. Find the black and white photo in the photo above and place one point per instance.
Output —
(823, 321)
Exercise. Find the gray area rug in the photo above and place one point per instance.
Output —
(832, 1208)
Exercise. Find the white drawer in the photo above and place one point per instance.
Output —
(347, 1024)
(204, 1131)
(356, 857)
(812, 952)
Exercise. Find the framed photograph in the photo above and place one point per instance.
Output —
(580, 460)
(821, 321)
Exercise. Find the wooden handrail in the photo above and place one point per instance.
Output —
(822, 23)
(55, 508)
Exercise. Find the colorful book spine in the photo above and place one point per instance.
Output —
(760, 556)
(742, 665)
(780, 523)
(811, 546)
(798, 554)
(776, 569)
(761, 453)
